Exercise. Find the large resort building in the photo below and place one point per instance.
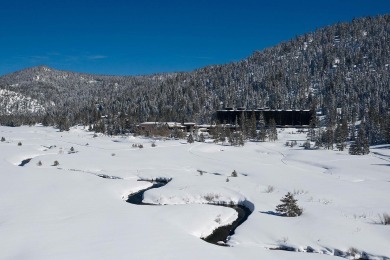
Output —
(230, 117)
(283, 118)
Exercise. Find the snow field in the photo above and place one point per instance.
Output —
(68, 211)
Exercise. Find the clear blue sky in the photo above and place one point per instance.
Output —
(149, 36)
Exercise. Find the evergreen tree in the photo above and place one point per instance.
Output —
(243, 124)
(289, 206)
(361, 145)
(190, 139)
(328, 138)
(386, 130)
(343, 132)
(272, 131)
(252, 130)
(241, 139)
(313, 124)
(236, 138)
(201, 137)
(216, 132)
(262, 134)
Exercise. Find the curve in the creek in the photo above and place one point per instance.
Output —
(220, 235)
(25, 161)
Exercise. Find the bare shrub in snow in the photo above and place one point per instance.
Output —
(298, 192)
(56, 163)
(289, 206)
(211, 197)
(352, 251)
(269, 189)
(283, 240)
(2, 139)
(384, 219)
(39, 163)
(154, 144)
(201, 172)
(140, 146)
(113, 154)
(20, 144)
(234, 174)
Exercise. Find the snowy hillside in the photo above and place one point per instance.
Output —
(12, 102)
(69, 211)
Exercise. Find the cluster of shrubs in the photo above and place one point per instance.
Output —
(55, 163)
(292, 143)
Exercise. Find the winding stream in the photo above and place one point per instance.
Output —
(220, 235)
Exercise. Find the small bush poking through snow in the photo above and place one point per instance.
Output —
(154, 144)
(289, 206)
(269, 189)
(353, 252)
(384, 219)
(211, 197)
(2, 139)
(72, 149)
(298, 192)
(56, 163)
(140, 146)
(113, 154)
(39, 163)
(282, 240)
(20, 144)
(234, 174)
(201, 172)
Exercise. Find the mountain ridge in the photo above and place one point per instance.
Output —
(343, 66)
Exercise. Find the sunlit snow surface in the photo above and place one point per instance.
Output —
(69, 212)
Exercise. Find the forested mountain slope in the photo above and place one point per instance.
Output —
(345, 66)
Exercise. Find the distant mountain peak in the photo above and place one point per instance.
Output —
(44, 68)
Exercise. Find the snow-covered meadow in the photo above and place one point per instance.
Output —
(69, 211)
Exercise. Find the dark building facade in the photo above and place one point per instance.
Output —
(283, 118)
